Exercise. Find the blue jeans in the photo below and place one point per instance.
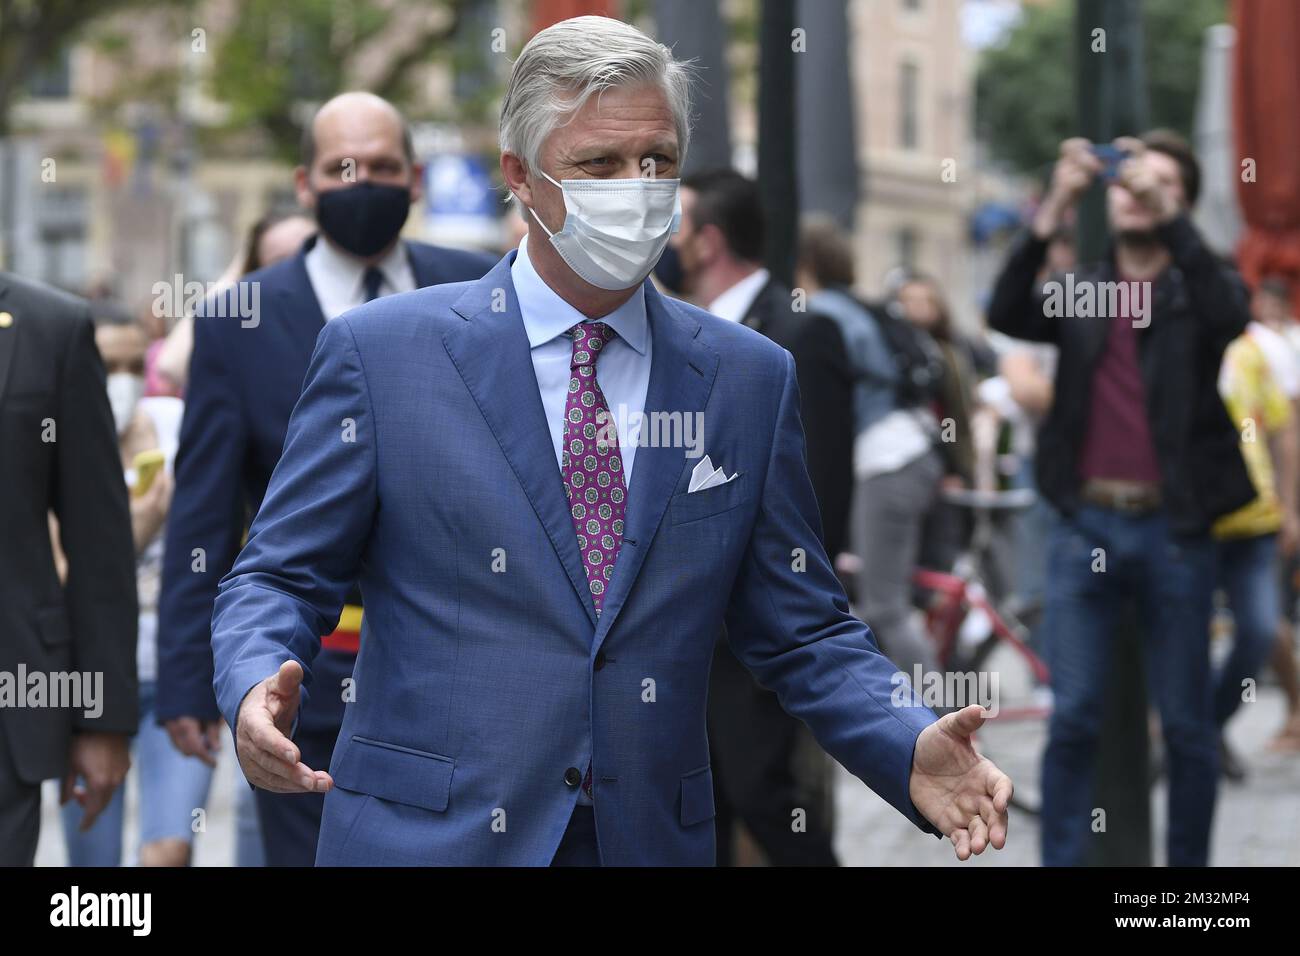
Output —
(1033, 534)
(172, 787)
(1248, 572)
(1172, 579)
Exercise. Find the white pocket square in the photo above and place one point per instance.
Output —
(705, 476)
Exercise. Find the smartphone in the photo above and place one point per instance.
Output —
(147, 464)
(1111, 157)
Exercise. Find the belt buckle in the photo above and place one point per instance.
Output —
(1135, 502)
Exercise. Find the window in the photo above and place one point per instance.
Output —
(905, 247)
(61, 244)
(909, 95)
(53, 81)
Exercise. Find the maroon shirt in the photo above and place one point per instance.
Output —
(1118, 443)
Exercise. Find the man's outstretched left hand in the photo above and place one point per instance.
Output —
(960, 792)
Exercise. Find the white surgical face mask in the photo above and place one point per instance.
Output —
(615, 230)
(124, 391)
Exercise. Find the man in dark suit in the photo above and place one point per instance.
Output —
(720, 247)
(252, 344)
(826, 397)
(755, 742)
(61, 456)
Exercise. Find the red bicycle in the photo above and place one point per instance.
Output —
(972, 628)
(969, 627)
(965, 624)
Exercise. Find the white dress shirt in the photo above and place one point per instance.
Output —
(338, 279)
(735, 302)
(623, 370)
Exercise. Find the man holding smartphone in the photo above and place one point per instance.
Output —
(1140, 457)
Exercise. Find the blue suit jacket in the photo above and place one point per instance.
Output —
(419, 458)
(242, 388)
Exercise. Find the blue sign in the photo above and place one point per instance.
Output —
(458, 185)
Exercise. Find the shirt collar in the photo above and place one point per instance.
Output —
(348, 273)
(546, 315)
(733, 304)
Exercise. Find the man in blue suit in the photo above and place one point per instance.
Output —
(251, 349)
(555, 486)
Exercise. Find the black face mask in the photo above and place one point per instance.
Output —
(363, 219)
(668, 270)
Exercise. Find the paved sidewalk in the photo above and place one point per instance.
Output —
(1256, 823)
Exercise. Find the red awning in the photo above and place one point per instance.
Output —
(548, 12)
(1266, 108)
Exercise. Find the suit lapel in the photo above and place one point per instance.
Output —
(8, 340)
(491, 353)
(681, 378)
(299, 301)
(759, 308)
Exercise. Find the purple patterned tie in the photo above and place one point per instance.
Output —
(592, 465)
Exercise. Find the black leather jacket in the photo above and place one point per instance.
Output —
(1198, 306)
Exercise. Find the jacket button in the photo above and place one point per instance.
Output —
(573, 776)
(600, 660)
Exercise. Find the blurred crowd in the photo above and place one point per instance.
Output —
(1070, 463)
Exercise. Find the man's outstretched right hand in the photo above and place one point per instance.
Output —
(269, 758)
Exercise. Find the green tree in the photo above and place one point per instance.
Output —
(1024, 88)
(282, 55)
(34, 32)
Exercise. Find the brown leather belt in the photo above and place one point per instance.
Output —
(1127, 497)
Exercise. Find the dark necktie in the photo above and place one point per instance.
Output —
(371, 282)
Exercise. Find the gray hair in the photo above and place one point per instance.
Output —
(563, 65)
